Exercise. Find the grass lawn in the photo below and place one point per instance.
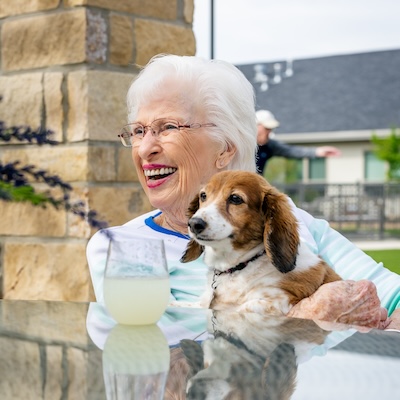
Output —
(389, 258)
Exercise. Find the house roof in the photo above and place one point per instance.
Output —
(336, 93)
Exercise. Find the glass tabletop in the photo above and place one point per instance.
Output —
(66, 350)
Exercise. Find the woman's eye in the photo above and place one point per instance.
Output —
(235, 199)
(203, 196)
(168, 126)
(138, 131)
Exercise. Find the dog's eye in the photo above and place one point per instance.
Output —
(203, 196)
(235, 199)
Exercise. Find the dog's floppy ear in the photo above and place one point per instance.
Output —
(281, 236)
(193, 206)
(193, 354)
(280, 372)
(193, 249)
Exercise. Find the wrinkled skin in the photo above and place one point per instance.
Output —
(345, 302)
(395, 320)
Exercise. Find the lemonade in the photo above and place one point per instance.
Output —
(136, 300)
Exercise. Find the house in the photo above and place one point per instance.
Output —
(337, 100)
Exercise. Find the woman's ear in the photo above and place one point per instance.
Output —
(226, 156)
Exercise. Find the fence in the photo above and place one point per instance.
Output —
(356, 210)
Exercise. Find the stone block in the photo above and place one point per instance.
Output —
(22, 99)
(25, 219)
(96, 37)
(77, 372)
(119, 204)
(163, 9)
(188, 11)
(53, 100)
(95, 385)
(44, 40)
(77, 227)
(121, 40)
(78, 104)
(91, 115)
(68, 162)
(20, 369)
(46, 271)
(54, 373)
(16, 7)
(154, 37)
(101, 164)
(46, 322)
(126, 171)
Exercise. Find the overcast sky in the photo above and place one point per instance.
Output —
(250, 31)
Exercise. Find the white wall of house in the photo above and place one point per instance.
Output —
(350, 166)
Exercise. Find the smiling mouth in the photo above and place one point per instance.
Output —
(159, 173)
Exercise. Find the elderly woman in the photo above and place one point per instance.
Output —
(190, 118)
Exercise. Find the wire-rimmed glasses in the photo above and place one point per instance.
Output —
(134, 132)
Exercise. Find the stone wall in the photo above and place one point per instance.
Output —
(66, 66)
(46, 352)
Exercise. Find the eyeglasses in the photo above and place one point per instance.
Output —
(134, 132)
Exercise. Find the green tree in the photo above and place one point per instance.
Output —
(388, 149)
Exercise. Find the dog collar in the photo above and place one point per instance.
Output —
(240, 266)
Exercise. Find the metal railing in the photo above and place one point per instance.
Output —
(356, 210)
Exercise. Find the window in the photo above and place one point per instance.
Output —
(374, 168)
(317, 169)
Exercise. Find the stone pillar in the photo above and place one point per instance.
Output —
(66, 66)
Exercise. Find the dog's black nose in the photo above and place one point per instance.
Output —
(197, 225)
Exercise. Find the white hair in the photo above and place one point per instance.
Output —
(221, 91)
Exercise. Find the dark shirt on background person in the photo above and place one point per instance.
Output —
(274, 148)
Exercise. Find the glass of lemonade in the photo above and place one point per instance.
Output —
(136, 281)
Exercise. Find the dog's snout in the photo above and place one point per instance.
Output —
(197, 225)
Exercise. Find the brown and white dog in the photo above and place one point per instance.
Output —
(251, 244)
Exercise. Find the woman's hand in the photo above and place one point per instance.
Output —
(345, 302)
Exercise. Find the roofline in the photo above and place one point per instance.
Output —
(332, 136)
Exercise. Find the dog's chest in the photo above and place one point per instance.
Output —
(255, 288)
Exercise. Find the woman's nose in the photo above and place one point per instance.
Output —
(149, 144)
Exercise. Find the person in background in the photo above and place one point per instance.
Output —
(190, 118)
(269, 147)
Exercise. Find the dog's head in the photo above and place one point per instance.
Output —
(237, 211)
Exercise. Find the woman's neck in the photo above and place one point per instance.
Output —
(172, 222)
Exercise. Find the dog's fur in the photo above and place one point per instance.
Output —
(236, 216)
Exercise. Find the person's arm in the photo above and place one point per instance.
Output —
(280, 149)
(352, 264)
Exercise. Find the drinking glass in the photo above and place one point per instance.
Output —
(136, 363)
(136, 280)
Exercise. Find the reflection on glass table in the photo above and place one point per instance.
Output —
(65, 350)
(221, 354)
(135, 362)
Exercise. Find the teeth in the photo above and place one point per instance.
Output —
(161, 171)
